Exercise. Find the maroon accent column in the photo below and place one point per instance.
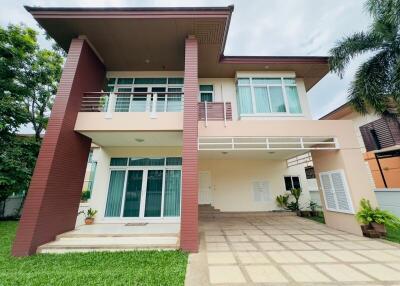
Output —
(189, 216)
(53, 198)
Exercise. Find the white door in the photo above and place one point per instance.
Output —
(205, 194)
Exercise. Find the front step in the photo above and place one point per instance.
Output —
(109, 243)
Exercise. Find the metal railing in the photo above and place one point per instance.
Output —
(215, 111)
(151, 102)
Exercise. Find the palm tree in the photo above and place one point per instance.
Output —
(376, 86)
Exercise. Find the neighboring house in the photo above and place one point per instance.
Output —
(379, 140)
(179, 124)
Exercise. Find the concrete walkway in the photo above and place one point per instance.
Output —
(288, 251)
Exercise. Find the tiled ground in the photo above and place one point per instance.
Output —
(288, 251)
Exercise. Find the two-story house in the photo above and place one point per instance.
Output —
(179, 123)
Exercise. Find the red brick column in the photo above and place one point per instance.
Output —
(189, 216)
(53, 198)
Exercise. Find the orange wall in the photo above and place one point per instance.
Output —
(390, 168)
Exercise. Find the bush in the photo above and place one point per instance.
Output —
(282, 201)
(367, 215)
(85, 196)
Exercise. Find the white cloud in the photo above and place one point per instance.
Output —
(258, 27)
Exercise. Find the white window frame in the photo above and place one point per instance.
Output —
(212, 92)
(142, 206)
(291, 179)
(268, 85)
(347, 191)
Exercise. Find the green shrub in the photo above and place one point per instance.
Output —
(85, 196)
(282, 201)
(367, 215)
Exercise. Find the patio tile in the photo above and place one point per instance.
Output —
(305, 273)
(372, 244)
(284, 257)
(217, 246)
(253, 232)
(233, 232)
(350, 245)
(220, 258)
(379, 271)
(313, 231)
(297, 245)
(347, 256)
(265, 274)
(393, 252)
(353, 237)
(283, 237)
(252, 257)
(379, 255)
(293, 231)
(394, 265)
(273, 231)
(306, 237)
(323, 245)
(260, 237)
(315, 256)
(343, 273)
(329, 237)
(240, 246)
(215, 238)
(225, 274)
(237, 238)
(214, 232)
(270, 246)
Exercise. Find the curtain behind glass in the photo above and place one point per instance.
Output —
(293, 99)
(153, 193)
(172, 196)
(244, 100)
(115, 191)
(133, 193)
(262, 102)
(277, 101)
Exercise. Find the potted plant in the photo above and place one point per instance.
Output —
(85, 196)
(295, 206)
(89, 215)
(313, 208)
(373, 220)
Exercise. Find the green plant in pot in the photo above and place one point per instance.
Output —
(89, 215)
(85, 196)
(375, 218)
(282, 201)
(295, 205)
(313, 207)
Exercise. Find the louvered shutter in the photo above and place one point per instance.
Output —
(328, 191)
(336, 192)
(261, 191)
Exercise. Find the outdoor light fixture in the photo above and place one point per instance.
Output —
(271, 152)
(266, 67)
(139, 140)
(224, 153)
(147, 61)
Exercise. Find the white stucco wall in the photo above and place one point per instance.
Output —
(232, 181)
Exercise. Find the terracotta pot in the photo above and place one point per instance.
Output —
(89, 220)
(379, 228)
(365, 229)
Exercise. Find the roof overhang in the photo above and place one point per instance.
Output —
(338, 113)
(136, 39)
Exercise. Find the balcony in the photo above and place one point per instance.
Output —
(214, 111)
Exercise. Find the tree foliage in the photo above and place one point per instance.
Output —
(28, 83)
(376, 85)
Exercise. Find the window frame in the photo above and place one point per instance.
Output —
(212, 92)
(282, 85)
(291, 180)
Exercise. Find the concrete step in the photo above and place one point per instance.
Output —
(109, 243)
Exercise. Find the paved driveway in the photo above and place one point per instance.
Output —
(288, 251)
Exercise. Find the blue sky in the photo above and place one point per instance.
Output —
(258, 27)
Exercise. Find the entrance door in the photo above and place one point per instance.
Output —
(205, 193)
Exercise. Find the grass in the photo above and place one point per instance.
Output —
(96, 268)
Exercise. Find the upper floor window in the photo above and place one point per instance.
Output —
(266, 96)
(206, 93)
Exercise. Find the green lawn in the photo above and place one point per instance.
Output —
(101, 268)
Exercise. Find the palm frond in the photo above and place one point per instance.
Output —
(384, 10)
(350, 47)
(372, 85)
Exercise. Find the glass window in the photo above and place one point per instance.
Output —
(119, 161)
(115, 193)
(206, 93)
(150, 80)
(172, 196)
(267, 95)
(174, 161)
(125, 81)
(146, 161)
(122, 100)
(111, 81)
(175, 80)
(292, 182)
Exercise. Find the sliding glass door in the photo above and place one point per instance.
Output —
(144, 191)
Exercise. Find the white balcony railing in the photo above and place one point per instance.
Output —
(150, 102)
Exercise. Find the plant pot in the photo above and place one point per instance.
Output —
(365, 229)
(89, 221)
(314, 213)
(379, 228)
(298, 213)
(305, 213)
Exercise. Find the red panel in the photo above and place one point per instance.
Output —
(53, 198)
(189, 216)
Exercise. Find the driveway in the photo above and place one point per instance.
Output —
(288, 250)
